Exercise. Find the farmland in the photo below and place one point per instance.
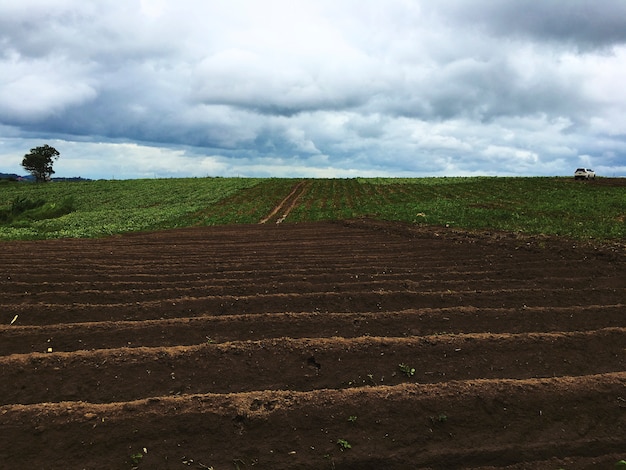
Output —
(315, 324)
(558, 206)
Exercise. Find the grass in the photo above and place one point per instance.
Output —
(553, 206)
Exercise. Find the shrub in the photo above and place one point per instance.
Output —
(23, 208)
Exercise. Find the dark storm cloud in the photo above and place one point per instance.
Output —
(584, 24)
(484, 90)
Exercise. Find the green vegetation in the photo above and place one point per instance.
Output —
(553, 206)
(24, 211)
(441, 418)
(406, 370)
(102, 208)
(343, 444)
(136, 458)
(39, 162)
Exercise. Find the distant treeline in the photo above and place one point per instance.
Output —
(30, 178)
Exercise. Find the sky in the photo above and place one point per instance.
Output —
(314, 88)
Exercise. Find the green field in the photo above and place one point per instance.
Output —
(555, 206)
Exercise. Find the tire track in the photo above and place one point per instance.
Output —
(286, 205)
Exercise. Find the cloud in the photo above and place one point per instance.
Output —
(583, 24)
(404, 87)
(278, 86)
(35, 89)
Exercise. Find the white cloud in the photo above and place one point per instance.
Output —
(401, 87)
(35, 89)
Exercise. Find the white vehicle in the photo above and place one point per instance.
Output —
(584, 174)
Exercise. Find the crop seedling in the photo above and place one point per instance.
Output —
(441, 418)
(407, 370)
(136, 458)
(343, 444)
(352, 419)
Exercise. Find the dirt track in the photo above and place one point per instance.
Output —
(265, 346)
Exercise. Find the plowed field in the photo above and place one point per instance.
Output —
(348, 345)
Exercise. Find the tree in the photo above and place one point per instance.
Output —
(39, 162)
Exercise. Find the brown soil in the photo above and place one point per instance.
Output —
(605, 181)
(275, 346)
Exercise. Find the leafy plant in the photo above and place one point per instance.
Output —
(352, 419)
(407, 370)
(136, 458)
(19, 205)
(24, 210)
(440, 418)
(343, 444)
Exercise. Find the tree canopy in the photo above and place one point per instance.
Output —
(39, 162)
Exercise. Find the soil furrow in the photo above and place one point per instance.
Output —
(219, 329)
(355, 344)
(139, 309)
(458, 424)
(320, 276)
(305, 364)
(149, 292)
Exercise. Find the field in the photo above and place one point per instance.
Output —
(558, 206)
(353, 343)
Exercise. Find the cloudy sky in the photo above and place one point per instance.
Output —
(314, 88)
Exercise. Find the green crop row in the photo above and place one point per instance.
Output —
(103, 208)
(556, 206)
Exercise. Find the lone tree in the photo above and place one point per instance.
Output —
(39, 162)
